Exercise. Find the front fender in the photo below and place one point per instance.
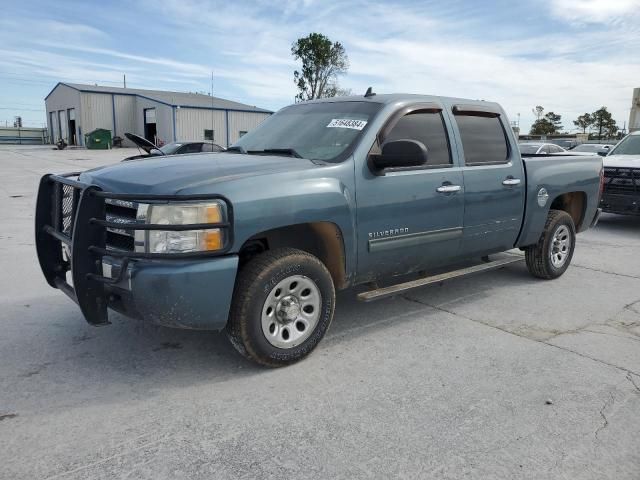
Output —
(281, 200)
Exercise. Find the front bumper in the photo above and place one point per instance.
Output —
(185, 290)
(192, 294)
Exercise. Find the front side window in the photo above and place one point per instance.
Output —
(317, 131)
(483, 139)
(427, 128)
(211, 147)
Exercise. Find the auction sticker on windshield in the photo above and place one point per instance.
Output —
(347, 123)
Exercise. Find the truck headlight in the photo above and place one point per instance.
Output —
(183, 241)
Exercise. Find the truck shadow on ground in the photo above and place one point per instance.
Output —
(619, 223)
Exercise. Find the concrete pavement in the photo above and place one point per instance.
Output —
(494, 376)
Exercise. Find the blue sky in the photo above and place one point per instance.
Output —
(570, 56)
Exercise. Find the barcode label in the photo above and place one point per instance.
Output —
(347, 123)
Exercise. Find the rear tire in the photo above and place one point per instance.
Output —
(551, 256)
(282, 307)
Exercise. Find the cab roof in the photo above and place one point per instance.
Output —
(391, 98)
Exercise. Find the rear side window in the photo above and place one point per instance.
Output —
(483, 139)
(428, 128)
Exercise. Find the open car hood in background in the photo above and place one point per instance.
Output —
(143, 143)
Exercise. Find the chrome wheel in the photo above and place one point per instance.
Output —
(291, 311)
(560, 246)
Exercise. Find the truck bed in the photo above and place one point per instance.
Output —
(558, 174)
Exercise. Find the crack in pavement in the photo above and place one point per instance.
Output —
(624, 275)
(543, 342)
(630, 378)
(604, 417)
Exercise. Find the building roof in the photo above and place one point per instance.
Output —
(174, 99)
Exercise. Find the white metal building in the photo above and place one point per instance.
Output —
(74, 110)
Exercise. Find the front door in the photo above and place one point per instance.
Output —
(494, 181)
(411, 219)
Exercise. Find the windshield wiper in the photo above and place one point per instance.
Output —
(283, 151)
(236, 149)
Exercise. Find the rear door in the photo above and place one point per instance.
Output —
(494, 180)
(411, 219)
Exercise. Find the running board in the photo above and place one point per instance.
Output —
(392, 290)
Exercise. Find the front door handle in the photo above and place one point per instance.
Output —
(448, 189)
(510, 182)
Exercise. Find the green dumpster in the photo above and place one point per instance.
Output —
(99, 139)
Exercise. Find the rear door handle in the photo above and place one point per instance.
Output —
(510, 182)
(448, 189)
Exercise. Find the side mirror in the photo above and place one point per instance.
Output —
(401, 153)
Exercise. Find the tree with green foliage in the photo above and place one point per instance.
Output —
(604, 123)
(549, 124)
(555, 120)
(584, 121)
(322, 62)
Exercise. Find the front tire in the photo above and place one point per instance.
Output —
(552, 255)
(282, 307)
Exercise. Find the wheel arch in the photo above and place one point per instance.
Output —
(574, 203)
(322, 239)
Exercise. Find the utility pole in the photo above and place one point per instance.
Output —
(124, 80)
(213, 132)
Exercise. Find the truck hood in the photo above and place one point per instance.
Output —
(170, 175)
(624, 161)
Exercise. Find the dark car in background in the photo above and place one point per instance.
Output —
(173, 148)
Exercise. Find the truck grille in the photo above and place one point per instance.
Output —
(120, 211)
(621, 181)
(68, 207)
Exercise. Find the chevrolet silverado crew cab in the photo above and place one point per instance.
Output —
(322, 196)
(621, 192)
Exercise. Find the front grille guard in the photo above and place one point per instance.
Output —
(70, 215)
(622, 180)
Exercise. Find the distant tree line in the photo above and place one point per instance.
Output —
(600, 124)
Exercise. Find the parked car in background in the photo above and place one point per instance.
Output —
(566, 143)
(599, 148)
(621, 193)
(322, 196)
(173, 148)
(536, 148)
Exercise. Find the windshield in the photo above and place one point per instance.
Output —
(525, 148)
(317, 131)
(170, 148)
(628, 146)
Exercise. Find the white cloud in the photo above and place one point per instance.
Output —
(434, 48)
(594, 11)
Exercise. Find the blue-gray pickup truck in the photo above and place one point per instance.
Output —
(322, 196)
